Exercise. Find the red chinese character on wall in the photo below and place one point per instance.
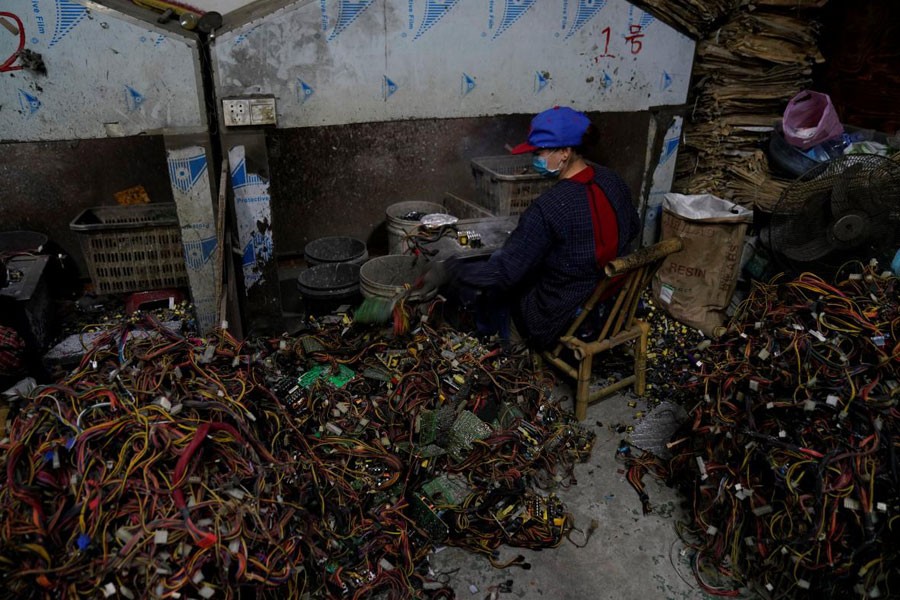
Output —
(635, 38)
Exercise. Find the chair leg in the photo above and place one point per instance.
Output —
(640, 361)
(583, 393)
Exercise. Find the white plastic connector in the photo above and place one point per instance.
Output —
(123, 535)
(385, 564)
(702, 466)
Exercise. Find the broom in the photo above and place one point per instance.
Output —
(378, 309)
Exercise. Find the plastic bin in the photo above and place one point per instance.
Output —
(131, 248)
(507, 185)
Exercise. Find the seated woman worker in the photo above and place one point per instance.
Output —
(555, 257)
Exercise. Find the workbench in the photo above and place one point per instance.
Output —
(25, 300)
(494, 232)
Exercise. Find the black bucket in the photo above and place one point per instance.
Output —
(338, 249)
(325, 287)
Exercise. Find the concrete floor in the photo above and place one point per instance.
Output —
(629, 556)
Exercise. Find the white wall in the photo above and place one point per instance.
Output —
(345, 61)
(107, 74)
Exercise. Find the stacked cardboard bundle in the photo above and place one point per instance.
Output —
(695, 17)
(751, 59)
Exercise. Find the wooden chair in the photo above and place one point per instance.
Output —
(634, 272)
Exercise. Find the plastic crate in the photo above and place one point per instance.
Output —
(507, 185)
(131, 248)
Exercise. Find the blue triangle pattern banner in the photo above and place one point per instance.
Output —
(607, 80)
(645, 20)
(68, 15)
(185, 172)
(587, 10)
(388, 87)
(540, 81)
(468, 84)
(348, 12)
(198, 252)
(669, 147)
(241, 178)
(133, 98)
(29, 103)
(240, 39)
(512, 12)
(434, 12)
(249, 258)
(304, 90)
(665, 81)
(259, 250)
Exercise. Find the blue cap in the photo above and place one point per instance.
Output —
(557, 127)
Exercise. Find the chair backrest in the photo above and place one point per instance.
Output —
(631, 274)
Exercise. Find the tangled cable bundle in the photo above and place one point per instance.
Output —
(791, 456)
(167, 466)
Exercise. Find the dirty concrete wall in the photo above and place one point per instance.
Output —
(108, 83)
(77, 70)
(47, 184)
(339, 180)
(334, 62)
(380, 102)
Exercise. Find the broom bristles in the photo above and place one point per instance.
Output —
(374, 310)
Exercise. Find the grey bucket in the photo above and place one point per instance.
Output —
(385, 276)
(335, 249)
(326, 287)
(398, 227)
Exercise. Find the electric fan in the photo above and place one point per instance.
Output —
(842, 210)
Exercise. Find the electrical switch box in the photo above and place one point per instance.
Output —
(249, 112)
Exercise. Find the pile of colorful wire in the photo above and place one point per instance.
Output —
(790, 458)
(328, 464)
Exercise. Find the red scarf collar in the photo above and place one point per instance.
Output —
(603, 218)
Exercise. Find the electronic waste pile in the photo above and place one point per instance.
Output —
(328, 464)
(791, 455)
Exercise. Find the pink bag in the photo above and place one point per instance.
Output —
(810, 119)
